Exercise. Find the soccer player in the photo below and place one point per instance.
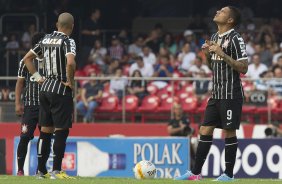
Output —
(226, 56)
(56, 94)
(30, 113)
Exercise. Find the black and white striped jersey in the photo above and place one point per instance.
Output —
(226, 80)
(55, 47)
(31, 87)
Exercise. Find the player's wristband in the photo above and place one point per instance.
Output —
(37, 76)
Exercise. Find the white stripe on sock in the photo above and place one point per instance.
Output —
(40, 146)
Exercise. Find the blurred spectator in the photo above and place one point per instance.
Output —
(153, 41)
(91, 28)
(90, 32)
(124, 38)
(13, 43)
(118, 84)
(179, 124)
(201, 87)
(261, 84)
(116, 50)
(256, 68)
(136, 48)
(97, 54)
(169, 43)
(274, 84)
(249, 45)
(277, 55)
(279, 62)
(189, 37)
(267, 39)
(159, 30)
(265, 55)
(148, 56)
(186, 57)
(91, 94)
(111, 68)
(137, 87)
(146, 70)
(26, 38)
(199, 70)
(198, 67)
(163, 69)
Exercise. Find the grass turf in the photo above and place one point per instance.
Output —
(32, 180)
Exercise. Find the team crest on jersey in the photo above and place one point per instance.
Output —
(24, 128)
(226, 43)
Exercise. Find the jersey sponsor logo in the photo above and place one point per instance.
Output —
(52, 41)
(242, 47)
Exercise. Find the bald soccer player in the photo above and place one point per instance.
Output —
(56, 94)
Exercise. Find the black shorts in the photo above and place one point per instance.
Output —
(223, 113)
(29, 121)
(55, 110)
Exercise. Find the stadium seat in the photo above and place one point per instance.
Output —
(189, 105)
(166, 104)
(106, 94)
(131, 104)
(108, 104)
(149, 105)
(152, 89)
(163, 93)
(185, 92)
(90, 68)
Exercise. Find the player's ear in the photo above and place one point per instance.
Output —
(57, 25)
(230, 20)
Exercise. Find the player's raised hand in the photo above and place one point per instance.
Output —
(205, 46)
(214, 47)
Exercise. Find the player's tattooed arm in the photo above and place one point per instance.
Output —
(71, 65)
(238, 65)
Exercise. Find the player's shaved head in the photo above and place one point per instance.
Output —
(65, 20)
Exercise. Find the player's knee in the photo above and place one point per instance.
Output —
(206, 130)
(47, 129)
(229, 133)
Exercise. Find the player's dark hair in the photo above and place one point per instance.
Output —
(235, 15)
(36, 38)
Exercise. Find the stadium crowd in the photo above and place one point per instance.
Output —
(160, 53)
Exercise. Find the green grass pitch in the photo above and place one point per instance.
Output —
(32, 180)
